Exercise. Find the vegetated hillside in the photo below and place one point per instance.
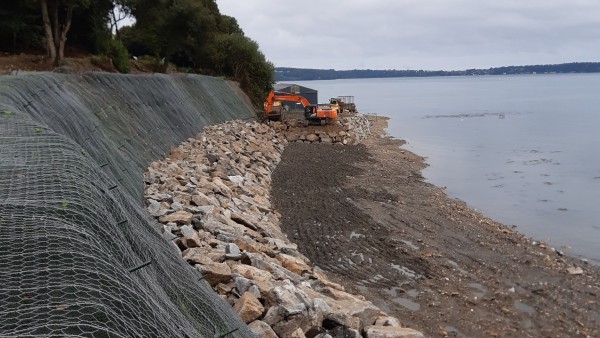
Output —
(300, 74)
(79, 254)
(191, 35)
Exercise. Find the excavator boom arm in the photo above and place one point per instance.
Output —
(310, 111)
(280, 96)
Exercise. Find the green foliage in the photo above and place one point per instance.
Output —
(89, 26)
(240, 59)
(191, 34)
(152, 64)
(102, 61)
(119, 55)
(20, 26)
(229, 25)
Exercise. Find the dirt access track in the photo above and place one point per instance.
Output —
(365, 215)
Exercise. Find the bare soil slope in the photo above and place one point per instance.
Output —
(364, 214)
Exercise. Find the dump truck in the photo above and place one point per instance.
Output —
(342, 103)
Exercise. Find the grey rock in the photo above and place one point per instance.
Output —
(171, 227)
(153, 207)
(228, 238)
(212, 158)
(190, 237)
(323, 335)
(320, 305)
(326, 139)
(309, 325)
(160, 197)
(232, 251)
(255, 291)
(242, 284)
(285, 296)
(274, 315)
(239, 180)
(176, 206)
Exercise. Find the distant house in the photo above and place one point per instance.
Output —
(312, 95)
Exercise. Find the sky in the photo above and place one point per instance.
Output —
(420, 34)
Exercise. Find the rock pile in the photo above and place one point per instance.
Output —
(346, 130)
(211, 195)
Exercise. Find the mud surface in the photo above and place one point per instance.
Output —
(364, 214)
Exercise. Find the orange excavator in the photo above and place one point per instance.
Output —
(274, 111)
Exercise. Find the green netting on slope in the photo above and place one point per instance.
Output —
(73, 149)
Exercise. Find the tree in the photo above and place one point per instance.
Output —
(90, 30)
(239, 58)
(120, 10)
(20, 26)
(195, 35)
(57, 16)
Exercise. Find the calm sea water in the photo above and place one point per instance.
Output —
(524, 150)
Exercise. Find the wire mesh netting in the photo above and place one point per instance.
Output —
(79, 255)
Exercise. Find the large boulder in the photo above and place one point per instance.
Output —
(289, 298)
(180, 217)
(263, 279)
(248, 308)
(312, 138)
(262, 329)
(215, 273)
(293, 264)
(190, 238)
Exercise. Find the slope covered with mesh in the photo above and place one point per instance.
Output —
(79, 255)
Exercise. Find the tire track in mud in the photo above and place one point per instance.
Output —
(323, 217)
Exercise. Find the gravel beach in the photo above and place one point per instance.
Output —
(365, 215)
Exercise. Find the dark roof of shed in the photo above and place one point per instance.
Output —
(280, 86)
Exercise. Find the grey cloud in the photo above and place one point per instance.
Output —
(420, 34)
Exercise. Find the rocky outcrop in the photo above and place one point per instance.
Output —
(212, 198)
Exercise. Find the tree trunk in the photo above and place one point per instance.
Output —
(54, 10)
(56, 34)
(114, 24)
(50, 47)
(64, 29)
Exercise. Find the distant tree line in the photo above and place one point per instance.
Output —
(300, 74)
(190, 34)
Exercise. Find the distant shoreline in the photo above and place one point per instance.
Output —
(288, 74)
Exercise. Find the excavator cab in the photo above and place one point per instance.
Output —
(315, 115)
(310, 111)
